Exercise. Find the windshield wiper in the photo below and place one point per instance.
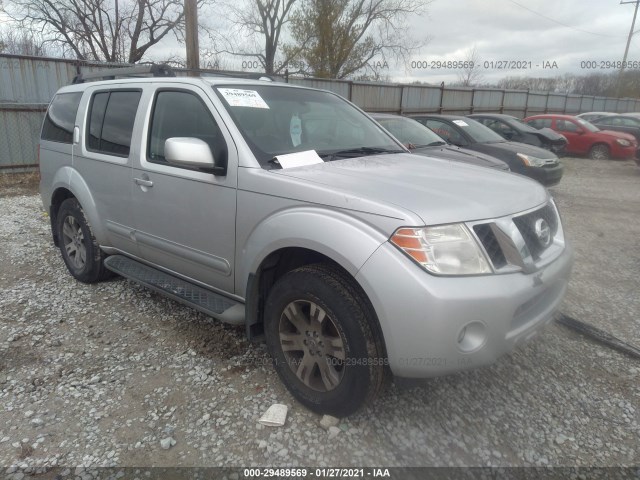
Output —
(357, 152)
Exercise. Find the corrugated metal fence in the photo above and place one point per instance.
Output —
(27, 84)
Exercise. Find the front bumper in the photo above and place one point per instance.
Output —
(422, 316)
(623, 153)
(548, 175)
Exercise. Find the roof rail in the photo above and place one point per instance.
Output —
(153, 70)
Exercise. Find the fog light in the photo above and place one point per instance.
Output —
(472, 336)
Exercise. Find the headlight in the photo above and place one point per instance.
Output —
(623, 142)
(531, 161)
(443, 250)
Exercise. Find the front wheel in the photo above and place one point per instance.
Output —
(79, 248)
(600, 152)
(320, 335)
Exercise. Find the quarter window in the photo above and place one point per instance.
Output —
(61, 118)
(183, 114)
(111, 119)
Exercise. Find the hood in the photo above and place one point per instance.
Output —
(458, 154)
(517, 147)
(611, 133)
(437, 191)
(551, 135)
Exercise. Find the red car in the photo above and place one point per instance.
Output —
(587, 139)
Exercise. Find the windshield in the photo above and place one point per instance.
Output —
(589, 126)
(411, 133)
(478, 132)
(277, 120)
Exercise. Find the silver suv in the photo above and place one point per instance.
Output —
(290, 211)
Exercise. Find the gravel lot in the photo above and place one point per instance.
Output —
(99, 375)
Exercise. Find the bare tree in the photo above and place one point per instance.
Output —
(337, 38)
(471, 75)
(107, 30)
(19, 43)
(265, 22)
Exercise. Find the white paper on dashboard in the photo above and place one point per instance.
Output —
(462, 123)
(237, 97)
(299, 159)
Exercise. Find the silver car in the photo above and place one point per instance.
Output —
(290, 211)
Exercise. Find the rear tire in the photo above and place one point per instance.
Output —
(320, 336)
(79, 248)
(600, 152)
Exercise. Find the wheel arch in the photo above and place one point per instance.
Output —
(276, 265)
(69, 184)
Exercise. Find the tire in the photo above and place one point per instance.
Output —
(78, 246)
(600, 152)
(333, 366)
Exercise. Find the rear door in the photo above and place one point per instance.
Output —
(185, 219)
(104, 158)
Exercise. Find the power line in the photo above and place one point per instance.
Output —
(564, 24)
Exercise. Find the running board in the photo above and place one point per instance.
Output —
(205, 301)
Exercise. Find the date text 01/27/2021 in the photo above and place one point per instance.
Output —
(483, 65)
(324, 472)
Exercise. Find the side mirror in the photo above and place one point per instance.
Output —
(581, 132)
(192, 153)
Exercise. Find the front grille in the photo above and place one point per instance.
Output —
(490, 243)
(526, 225)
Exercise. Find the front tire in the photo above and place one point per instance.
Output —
(600, 152)
(320, 335)
(79, 248)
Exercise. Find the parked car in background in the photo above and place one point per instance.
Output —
(620, 123)
(534, 162)
(587, 139)
(423, 141)
(515, 130)
(591, 116)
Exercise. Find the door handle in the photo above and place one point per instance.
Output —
(144, 183)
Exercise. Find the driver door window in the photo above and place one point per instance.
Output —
(567, 126)
(182, 114)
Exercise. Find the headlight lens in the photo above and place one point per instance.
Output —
(531, 161)
(623, 142)
(443, 250)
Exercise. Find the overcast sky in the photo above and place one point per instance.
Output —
(566, 32)
(573, 31)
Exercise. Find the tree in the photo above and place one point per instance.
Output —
(265, 20)
(105, 30)
(470, 75)
(337, 38)
(19, 43)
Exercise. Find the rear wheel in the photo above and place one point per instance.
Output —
(79, 248)
(319, 334)
(600, 152)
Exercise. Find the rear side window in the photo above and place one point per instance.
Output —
(182, 114)
(61, 118)
(111, 119)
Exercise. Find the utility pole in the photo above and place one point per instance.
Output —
(626, 50)
(191, 36)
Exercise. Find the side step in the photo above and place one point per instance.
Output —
(205, 301)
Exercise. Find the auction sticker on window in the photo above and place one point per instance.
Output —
(243, 98)
(461, 123)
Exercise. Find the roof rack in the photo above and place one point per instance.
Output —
(153, 70)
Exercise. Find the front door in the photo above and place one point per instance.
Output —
(185, 219)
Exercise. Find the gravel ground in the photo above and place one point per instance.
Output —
(101, 375)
